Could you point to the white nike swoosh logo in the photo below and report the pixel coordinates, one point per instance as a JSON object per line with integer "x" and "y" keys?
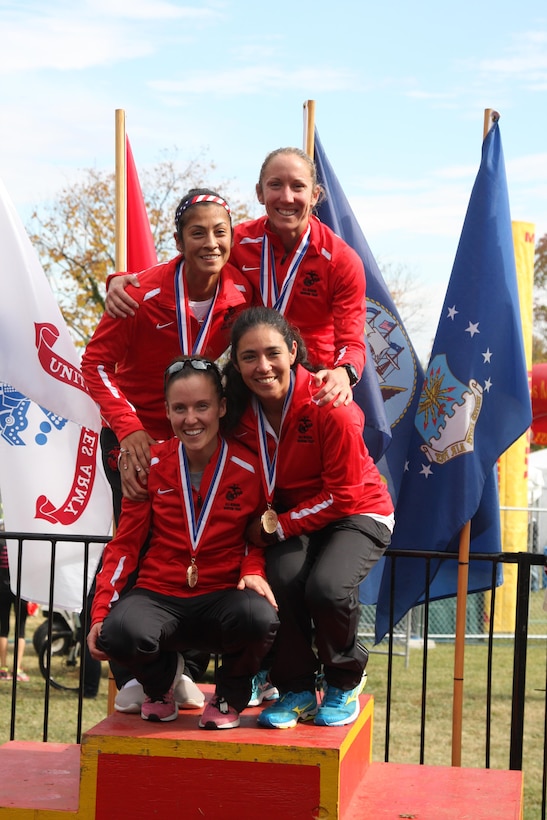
{"x": 160, "y": 326}
{"x": 163, "y": 492}
{"x": 248, "y": 267}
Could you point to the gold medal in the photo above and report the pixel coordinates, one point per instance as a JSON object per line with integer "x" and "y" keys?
{"x": 192, "y": 575}
{"x": 268, "y": 521}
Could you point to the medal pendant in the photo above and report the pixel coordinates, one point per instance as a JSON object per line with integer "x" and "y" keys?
{"x": 268, "y": 521}
{"x": 192, "y": 575}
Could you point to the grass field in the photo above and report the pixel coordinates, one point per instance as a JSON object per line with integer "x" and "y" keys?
{"x": 405, "y": 709}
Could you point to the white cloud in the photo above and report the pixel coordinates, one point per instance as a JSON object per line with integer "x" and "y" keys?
{"x": 256, "y": 79}
{"x": 527, "y": 58}
{"x": 53, "y": 43}
{"x": 149, "y": 10}
{"x": 65, "y": 36}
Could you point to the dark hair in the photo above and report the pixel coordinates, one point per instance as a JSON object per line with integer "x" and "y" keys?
{"x": 237, "y": 392}
{"x": 202, "y": 196}
{"x": 297, "y": 152}
{"x": 184, "y": 366}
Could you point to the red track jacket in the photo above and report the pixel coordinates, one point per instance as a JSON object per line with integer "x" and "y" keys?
{"x": 223, "y": 556}
{"x": 328, "y": 299}
{"x": 324, "y": 470}
{"x": 124, "y": 362}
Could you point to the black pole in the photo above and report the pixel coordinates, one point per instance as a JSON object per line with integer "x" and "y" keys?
{"x": 519, "y": 663}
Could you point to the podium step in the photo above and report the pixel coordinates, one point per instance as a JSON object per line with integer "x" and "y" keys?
{"x": 132, "y": 768}
{"x": 127, "y": 767}
{"x": 390, "y": 791}
{"x": 38, "y": 776}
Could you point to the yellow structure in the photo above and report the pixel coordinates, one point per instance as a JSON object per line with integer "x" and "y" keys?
{"x": 513, "y": 464}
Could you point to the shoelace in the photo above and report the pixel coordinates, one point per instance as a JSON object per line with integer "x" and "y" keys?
{"x": 288, "y": 700}
{"x": 335, "y": 696}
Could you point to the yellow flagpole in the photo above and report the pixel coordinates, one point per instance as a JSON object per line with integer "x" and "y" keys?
{"x": 309, "y": 127}
{"x": 490, "y": 117}
{"x": 121, "y": 193}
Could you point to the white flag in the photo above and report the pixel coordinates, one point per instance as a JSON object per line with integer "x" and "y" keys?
{"x": 51, "y": 478}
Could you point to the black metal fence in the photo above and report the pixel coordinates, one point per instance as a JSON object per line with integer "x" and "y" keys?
{"x": 524, "y": 562}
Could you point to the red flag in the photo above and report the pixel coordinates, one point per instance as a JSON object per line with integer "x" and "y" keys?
{"x": 141, "y": 251}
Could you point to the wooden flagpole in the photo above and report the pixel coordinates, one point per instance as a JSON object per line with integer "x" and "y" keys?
{"x": 120, "y": 261}
{"x": 309, "y": 127}
{"x": 490, "y": 117}
{"x": 121, "y": 193}
{"x": 459, "y": 646}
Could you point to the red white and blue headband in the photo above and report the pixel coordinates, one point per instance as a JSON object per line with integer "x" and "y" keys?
{"x": 198, "y": 199}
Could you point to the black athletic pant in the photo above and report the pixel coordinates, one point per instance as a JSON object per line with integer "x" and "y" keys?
{"x": 315, "y": 580}
{"x": 145, "y": 630}
{"x": 196, "y": 662}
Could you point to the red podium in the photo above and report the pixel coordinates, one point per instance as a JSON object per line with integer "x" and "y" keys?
{"x": 128, "y": 768}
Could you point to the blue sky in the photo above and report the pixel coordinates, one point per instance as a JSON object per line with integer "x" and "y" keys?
{"x": 400, "y": 91}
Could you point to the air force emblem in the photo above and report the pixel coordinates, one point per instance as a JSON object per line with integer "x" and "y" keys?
{"x": 448, "y": 412}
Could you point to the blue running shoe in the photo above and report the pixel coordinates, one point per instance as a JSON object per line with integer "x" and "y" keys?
{"x": 263, "y": 689}
{"x": 288, "y": 710}
{"x": 339, "y": 707}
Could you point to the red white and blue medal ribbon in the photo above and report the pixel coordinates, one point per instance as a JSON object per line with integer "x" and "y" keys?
{"x": 269, "y": 465}
{"x": 197, "y": 527}
{"x": 184, "y": 325}
{"x": 271, "y": 297}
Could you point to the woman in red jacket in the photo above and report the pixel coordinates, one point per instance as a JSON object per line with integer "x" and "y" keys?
{"x": 186, "y": 306}
{"x": 301, "y": 268}
{"x": 199, "y": 584}
{"x": 330, "y": 517}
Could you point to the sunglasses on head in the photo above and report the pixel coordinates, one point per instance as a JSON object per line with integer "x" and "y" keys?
{"x": 195, "y": 364}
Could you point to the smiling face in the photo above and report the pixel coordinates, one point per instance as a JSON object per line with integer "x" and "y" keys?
{"x": 194, "y": 409}
{"x": 206, "y": 241}
{"x": 264, "y": 362}
{"x": 287, "y": 191}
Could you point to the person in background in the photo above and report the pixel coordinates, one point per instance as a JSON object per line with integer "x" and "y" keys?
{"x": 329, "y": 520}
{"x": 199, "y": 585}
{"x": 8, "y": 599}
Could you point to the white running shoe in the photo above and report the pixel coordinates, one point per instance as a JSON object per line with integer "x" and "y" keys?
{"x": 130, "y": 698}
{"x": 187, "y": 694}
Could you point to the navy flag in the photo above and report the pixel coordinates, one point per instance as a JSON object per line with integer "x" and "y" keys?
{"x": 475, "y": 402}
{"x": 389, "y": 388}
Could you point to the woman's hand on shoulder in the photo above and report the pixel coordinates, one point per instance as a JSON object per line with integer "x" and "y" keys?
{"x": 334, "y": 387}
{"x": 119, "y": 304}
{"x": 134, "y": 464}
{"x": 260, "y": 585}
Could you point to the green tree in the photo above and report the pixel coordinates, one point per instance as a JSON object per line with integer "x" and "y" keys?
{"x": 539, "y": 344}
{"x": 74, "y": 235}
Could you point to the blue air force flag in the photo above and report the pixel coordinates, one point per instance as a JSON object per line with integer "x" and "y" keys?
{"x": 474, "y": 403}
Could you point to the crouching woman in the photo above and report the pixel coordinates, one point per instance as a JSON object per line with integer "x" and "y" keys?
{"x": 199, "y": 585}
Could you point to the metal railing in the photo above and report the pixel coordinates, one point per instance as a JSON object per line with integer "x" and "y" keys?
{"x": 53, "y": 541}
{"x": 523, "y": 560}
